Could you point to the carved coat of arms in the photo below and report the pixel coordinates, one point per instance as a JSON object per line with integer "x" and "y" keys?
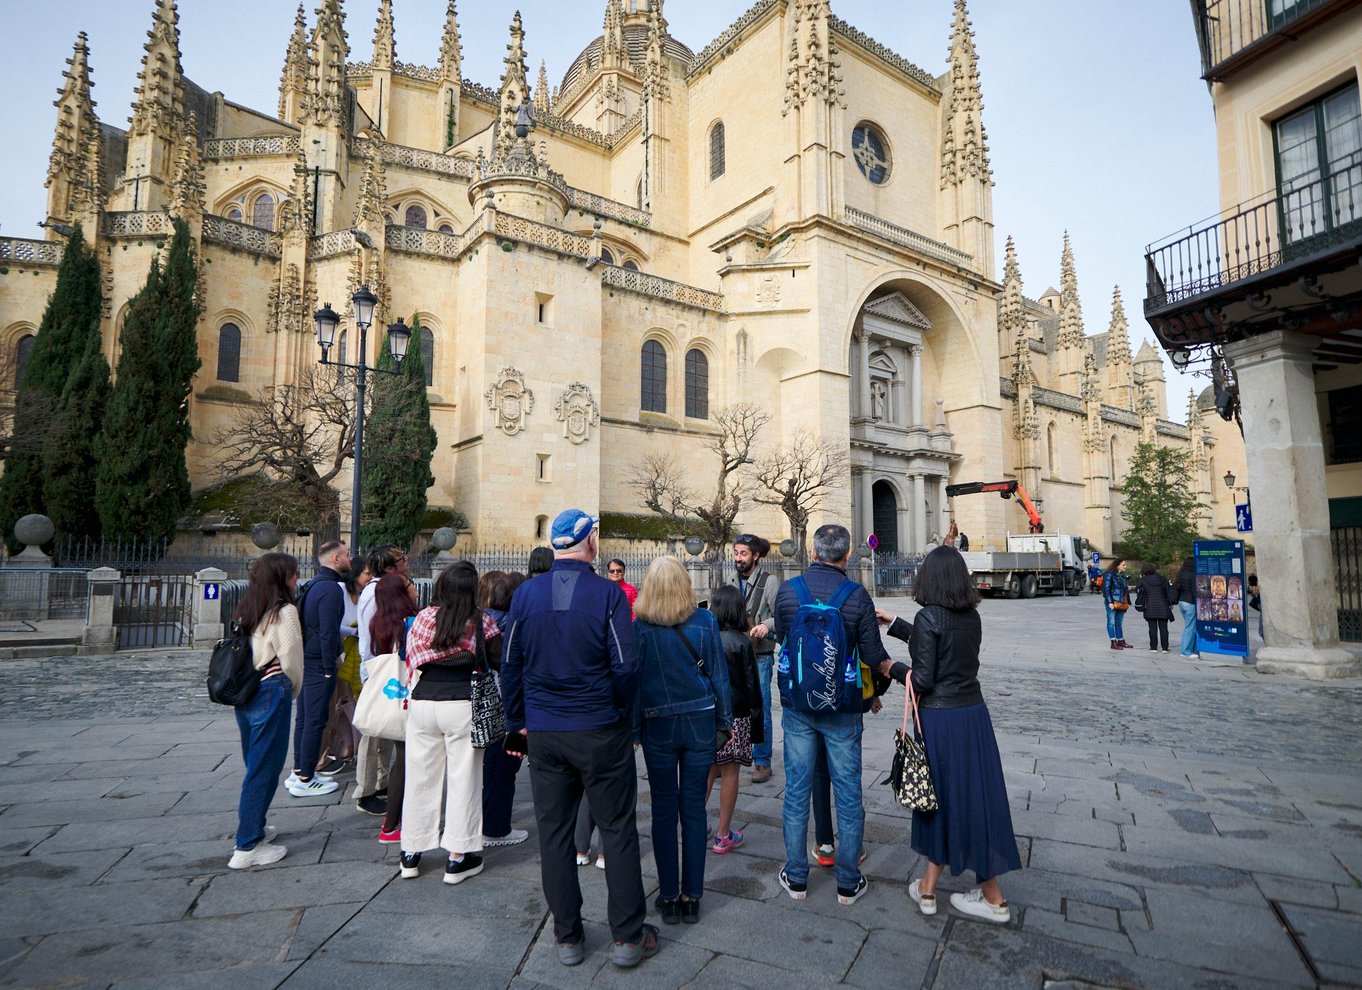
{"x": 510, "y": 401}
{"x": 578, "y": 412}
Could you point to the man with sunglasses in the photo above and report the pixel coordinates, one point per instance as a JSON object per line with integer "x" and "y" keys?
{"x": 614, "y": 570}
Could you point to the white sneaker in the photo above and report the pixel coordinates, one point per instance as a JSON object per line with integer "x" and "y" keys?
{"x": 291, "y": 779}
{"x": 926, "y": 902}
{"x": 512, "y": 838}
{"x": 600, "y": 862}
{"x": 270, "y": 833}
{"x": 315, "y": 787}
{"x": 261, "y": 855}
{"x": 974, "y": 905}
{"x": 1191, "y": 656}
{"x": 583, "y": 859}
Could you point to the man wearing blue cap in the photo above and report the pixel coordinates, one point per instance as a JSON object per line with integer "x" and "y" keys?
{"x": 569, "y": 677}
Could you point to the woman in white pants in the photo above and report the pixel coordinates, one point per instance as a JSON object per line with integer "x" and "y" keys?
{"x": 447, "y": 642}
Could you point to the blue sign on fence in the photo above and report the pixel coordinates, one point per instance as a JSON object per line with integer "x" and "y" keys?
{"x": 1097, "y": 557}
{"x": 1221, "y": 598}
{"x": 212, "y": 591}
{"x": 1243, "y": 517}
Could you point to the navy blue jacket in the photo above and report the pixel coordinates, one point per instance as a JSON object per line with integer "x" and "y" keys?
{"x": 323, "y": 610}
{"x": 570, "y": 662}
{"x": 670, "y": 682}
{"x": 858, "y": 613}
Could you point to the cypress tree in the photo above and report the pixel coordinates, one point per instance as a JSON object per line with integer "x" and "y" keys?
{"x": 69, "y": 464}
{"x": 142, "y": 485}
{"x": 399, "y": 442}
{"x": 69, "y": 327}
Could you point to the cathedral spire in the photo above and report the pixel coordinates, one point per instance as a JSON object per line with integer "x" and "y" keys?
{"x": 1121, "y": 384}
{"x": 514, "y": 89}
{"x": 1118, "y": 343}
{"x": 385, "y": 44}
{"x": 541, "y": 90}
{"x": 1071, "y": 335}
{"x": 964, "y": 150}
{"x": 614, "y": 50}
{"x": 75, "y": 119}
{"x": 813, "y": 69}
{"x": 324, "y": 103}
{"x": 186, "y": 188}
{"x": 373, "y": 193}
{"x": 656, "y": 83}
{"x": 293, "y": 80}
{"x": 87, "y": 188}
{"x": 1011, "y": 314}
{"x": 451, "y": 49}
{"x": 160, "y": 84}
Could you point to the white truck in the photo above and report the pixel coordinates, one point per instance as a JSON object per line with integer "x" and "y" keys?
{"x": 1033, "y": 564}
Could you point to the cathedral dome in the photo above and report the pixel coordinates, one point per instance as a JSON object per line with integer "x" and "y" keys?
{"x": 1206, "y": 400}
{"x": 636, "y": 40}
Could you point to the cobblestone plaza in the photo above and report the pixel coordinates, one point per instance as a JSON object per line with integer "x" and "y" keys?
{"x": 1183, "y": 824}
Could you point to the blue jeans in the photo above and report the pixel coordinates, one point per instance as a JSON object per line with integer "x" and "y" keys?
{"x": 263, "y": 722}
{"x": 761, "y": 752}
{"x": 679, "y": 751}
{"x": 841, "y": 735}
{"x": 1188, "y": 610}
{"x": 1116, "y": 620}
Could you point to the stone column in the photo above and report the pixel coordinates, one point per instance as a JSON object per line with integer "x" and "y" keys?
{"x": 867, "y": 517}
{"x": 100, "y": 636}
{"x": 905, "y": 528}
{"x": 208, "y": 624}
{"x": 1285, "y": 452}
{"x": 919, "y": 513}
{"x": 863, "y": 369}
{"x": 943, "y": 506}
{"x": 915, "y": 399}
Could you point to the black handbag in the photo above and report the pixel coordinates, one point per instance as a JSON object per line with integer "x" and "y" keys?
{"x": 489, "y": 717}
{"x": 909, "y": 774}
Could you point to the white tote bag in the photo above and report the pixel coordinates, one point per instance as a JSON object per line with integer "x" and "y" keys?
{"x": 382, "y": 708}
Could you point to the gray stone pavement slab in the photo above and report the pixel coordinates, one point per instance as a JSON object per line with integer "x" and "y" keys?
{"x": 1163, "y": 821}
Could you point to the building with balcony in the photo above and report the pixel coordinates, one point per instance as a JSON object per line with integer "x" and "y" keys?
{"x": 1271, "y": 290}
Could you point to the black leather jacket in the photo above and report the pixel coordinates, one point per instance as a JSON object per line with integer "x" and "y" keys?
{"x": 945, "y": 649}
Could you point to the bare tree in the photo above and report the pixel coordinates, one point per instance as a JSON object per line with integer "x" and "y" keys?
{"x": 39, "y": 412}
{"x": 797, "y": 479}
{"x": 662, "y": 487}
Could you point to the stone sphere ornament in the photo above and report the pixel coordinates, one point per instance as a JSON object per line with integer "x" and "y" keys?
{"x": 265, "y": 535}
{"x": 34, "y": 530}
{"x": 788, "y": 548}
{"x": 444, "y": 538}
{"x": 694, "y": 545}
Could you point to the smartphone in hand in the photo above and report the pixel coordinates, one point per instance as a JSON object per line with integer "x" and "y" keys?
{"x": 517, "y": 744}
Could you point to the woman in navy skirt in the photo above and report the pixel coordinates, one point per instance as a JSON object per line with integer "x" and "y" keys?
{"x": 971, "y": 828}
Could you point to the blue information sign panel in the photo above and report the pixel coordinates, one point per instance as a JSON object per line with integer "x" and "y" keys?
{"x": 1221, "y": 598}
{"x": 1243, "y": 517}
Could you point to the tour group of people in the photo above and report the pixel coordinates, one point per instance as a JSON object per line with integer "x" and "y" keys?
{"x": 1159, "y": 600}
{"x": 590, "y": 668}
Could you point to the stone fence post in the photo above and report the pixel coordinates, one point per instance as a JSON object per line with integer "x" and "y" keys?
{"x": 699, "y": 578}
{"x": 208, "y": 624}
{"x": 100, "y": 635}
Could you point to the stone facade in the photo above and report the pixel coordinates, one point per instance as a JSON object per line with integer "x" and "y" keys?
{"x": 838, "y": 272}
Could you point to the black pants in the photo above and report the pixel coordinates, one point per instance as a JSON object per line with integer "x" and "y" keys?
{"x": 599, "y": 763}
{"x": 498, "y": 790}
{"x": 822, "y": 795}
{"x": 1158, "y": 634}
{"x": 314, "y": 707}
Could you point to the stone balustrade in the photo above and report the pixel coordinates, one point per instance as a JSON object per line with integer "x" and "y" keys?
{"x": 542, "y": 235}
{"x": 143, "y": 223}
{"x": 904, "y": 237}
{"x": 332, "y": 243}
{"x": 219, "y": 149}
{"x": 24, "y": 251}
{"x": 662, "y": 288}
{"x": 611, "y": 209}
{"x": 244, "y": 237}
{"x": 418, "y": 240}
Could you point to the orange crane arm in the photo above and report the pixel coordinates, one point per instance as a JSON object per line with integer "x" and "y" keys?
{"x": 1006, "y": 489}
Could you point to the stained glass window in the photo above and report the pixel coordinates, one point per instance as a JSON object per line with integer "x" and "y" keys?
{"x": 21, "y": 352}
{"x": 234, "y": 214}
{"x": 262, "y": 213}
{"x": 697, "y": 384}
{"x": 229, "y": 353}
{"x": 871, "y": 152}
{"x": 716, "y": 151}
{"x": 631, "y": 264}
{"x": 446, "y": 228}
{"x": 607, "y": 257}
{"x": 428, "y": 355}
{"x": 654, "y": 395}
{"x": 416, "y": 216}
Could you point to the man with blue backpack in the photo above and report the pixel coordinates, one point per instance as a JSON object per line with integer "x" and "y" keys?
{"x": 829, "y": 643}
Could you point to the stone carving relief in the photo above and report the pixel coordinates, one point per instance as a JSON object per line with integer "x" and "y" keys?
{"x": 768, "y": 292}
{"x": 510, "y": 401}
{"x": 578, "y": 412}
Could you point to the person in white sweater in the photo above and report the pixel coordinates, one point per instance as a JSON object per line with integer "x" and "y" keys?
{"x": 268, "y": 613}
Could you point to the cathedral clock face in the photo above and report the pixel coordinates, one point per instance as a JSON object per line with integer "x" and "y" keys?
{"x": 871, "y": 152}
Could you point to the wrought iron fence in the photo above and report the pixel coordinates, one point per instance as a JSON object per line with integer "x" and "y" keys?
{"x": 140, "y": 557}
{"x": 1346, "y": 544}
{"x": 1228, "y": 27}
{"x": 1280, "y": 227}
{"x": 35, "y": 594}
{"x": 153, "y": 610}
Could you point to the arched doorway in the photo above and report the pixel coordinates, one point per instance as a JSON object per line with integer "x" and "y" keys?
{"x": 886, "y": 516}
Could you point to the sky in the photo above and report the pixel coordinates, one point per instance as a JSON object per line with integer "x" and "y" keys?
{"x": 1097, "y": 118}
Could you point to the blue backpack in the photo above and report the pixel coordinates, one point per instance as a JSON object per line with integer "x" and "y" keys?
{"x": 817, "y": 670}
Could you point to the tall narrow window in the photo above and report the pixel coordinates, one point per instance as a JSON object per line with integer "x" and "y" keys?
{"x": 229, "y": 353}
{"x": 416, "y": 216}
{"x": 697, "y": 384}
{"x": 428, "y": 355}
{"x": 1052, "y": 451}
{"x": 607, "y": 257}
{"x": 1319, "y": 165}
{"x": 654, "y": 394}
{"x": 716, "y": 151}
{"x": 21, "y": 353}
{"x": 341, "y": 343}
{"x": 262, "y": 213}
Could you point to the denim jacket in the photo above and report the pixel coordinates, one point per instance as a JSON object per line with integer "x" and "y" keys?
{"x": 670, "y": 682}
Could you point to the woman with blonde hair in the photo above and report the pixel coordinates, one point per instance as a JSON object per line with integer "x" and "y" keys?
{"x": 686, "y": 715}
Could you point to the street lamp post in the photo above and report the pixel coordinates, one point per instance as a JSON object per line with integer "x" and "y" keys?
{"x": 398, "y": 337}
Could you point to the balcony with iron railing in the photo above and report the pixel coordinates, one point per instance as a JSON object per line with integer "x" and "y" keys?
{"x": 1234, "y": 32}
{"x": 1285, "y": 234}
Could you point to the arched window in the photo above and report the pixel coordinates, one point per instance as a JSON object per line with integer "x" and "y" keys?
{"x": 21, "y": 353}
{"x": 229, "y": 353}
{"x": 1052, "y": 451}
{"x": 697, "y": 384}
{"x": 416, "y": 216}
{"x": 631, "y": 264}
{"x": 234, "y": 214}
{"x": 446, "y": 228}
{"x": 428, "y": 355}
{"x": 607, "y": 257}
{"x": 262, "y": 213}
{"x": 340, "y": 348}
{"x": 654, "y": 395}
{"x": 716, "y": 151}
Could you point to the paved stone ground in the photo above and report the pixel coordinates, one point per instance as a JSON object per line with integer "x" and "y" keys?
{"x": 1184, "y": 824}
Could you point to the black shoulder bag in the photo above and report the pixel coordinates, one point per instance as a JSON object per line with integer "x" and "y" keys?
{"x": 489, "y": 717}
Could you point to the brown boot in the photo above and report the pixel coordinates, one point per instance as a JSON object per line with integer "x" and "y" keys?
{"x": 1115, "y": 645}
{"x": 761, "y": 775}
